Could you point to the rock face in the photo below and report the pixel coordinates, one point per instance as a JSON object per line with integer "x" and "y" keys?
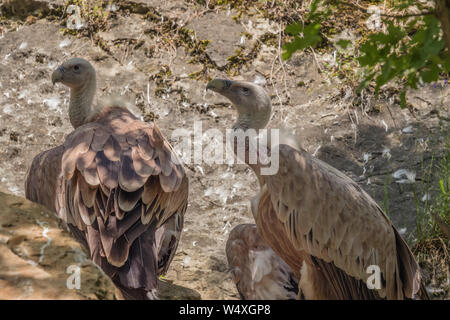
{"x": 40, "y": 260}
{"x": 36, "y": 254}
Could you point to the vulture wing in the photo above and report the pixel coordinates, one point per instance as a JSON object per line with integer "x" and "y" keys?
{"x": 310, "y": 207}
{"x": 123, "y": 193}
{"x": 258, "y": 272}
{"x": 42, "y": 177}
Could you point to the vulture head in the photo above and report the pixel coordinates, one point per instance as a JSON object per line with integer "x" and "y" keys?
{"x": 251, "y": 101}
{"x": 79, "y": 75}
{"x": 74, "y": 73}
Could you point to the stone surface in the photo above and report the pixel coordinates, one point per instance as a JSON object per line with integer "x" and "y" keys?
{"x": 35, "y": 255}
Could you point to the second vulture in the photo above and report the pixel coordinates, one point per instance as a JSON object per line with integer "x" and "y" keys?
{"x": 117, "y": 185}
{"x": 330, "y": 232}
{"x": 258, "y": 272}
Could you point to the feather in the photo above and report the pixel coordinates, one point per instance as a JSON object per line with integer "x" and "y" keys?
{"x": 112, "y": 149}
{"x": 119, "y": 213}
{"x": 142, "y": 167}
{"x": 151, "y": 190}
{"x": 88, "y": 193}
{"x": 129, "y": 180}
{"x": 166, "y": 163}
{"x": 128, "y": 200}
{"x": 168, "y": 183}
{"x": 86, "y": 159}
{"x": 145, "y": 149}
{"x": 107, "y": 170}
{"x": 99, "y": 140}
{"x": 90, "y": 174}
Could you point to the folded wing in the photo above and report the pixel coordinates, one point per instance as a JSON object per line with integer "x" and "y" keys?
{"x": 123, "y": 193}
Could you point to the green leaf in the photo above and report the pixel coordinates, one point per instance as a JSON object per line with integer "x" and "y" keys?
{"x": 412, "y": 80}
{"x": 403, "y": 99}
{"x": 295, "y": 28}
{"x": 310, "y": 37}
{"x": 405, "y": 51}
{"x": 365, "y": 83}
{"x": 369, "y": 54}
{"x": 441, "y": 184}
{"x": 343, "y": 43}
{"x": 430, "y": 74}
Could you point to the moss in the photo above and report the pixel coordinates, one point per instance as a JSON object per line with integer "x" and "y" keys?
{"x": 197, "y": 75}
{"x": 133, "y": 7}
{"x": 161, "y": 80}
{"x": 235, "y": 18}
{"x": 240, "y": 58}
{"x": 247, "y": 35}
{"x": 68, "y": 31}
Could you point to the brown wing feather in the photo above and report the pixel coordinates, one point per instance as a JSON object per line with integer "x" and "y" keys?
{"x": 42, "y": 177}
{"x": 110, "y": 173}
{"x": 327, "y": 215}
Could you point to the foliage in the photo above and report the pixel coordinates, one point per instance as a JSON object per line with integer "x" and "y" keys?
{"x": 411, "y": 59}
{"x": 433, "y": 217}
{"x": 408, "y": 49}
{"x": 306, "y": 33}
{"x": 442, "y": 203}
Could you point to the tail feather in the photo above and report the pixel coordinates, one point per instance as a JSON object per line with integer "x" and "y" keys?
{"x": 423, "y": 293}
{"x": 138, "y": 278}
{"x": 409, "y": 271}
{"x": 135, "y": 294}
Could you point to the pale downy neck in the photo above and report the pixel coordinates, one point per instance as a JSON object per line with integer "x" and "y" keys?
{"x": 248, "y": 121}
{"x": 81, "y": 103}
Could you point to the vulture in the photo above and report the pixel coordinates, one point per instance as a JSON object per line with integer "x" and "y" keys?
{"x": 116, "y": 184}
{"x": 258, "y": 272}
{"x": 336, "y": 239}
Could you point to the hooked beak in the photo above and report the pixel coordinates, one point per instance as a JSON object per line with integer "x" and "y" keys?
{"x": 57, "y": 75}
{"x": 218, "y": 85}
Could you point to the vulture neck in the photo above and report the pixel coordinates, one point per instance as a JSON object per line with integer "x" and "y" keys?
{"x": 247, "y": 121}
{"x": 81, "y": 98}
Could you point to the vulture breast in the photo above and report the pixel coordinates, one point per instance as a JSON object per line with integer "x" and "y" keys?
{"x": 258, "y": 272}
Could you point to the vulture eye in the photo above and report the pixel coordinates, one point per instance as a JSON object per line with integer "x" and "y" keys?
{"x": 245, "y": 90}
{"x": 76, "y": 68}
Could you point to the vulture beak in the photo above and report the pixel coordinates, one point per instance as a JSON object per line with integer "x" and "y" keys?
{"x": 219, "y": 85}
{"x": 57, "y": 75}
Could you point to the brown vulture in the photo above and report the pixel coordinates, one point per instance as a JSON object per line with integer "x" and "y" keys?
{"x": 116, "y": 184}
{"x": 330, "y": 232}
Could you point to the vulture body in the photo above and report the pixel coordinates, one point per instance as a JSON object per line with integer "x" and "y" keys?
{"x": 114, "y": 184}
{"x": 330, "y": 232}
{"x": 258, "y": 272}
